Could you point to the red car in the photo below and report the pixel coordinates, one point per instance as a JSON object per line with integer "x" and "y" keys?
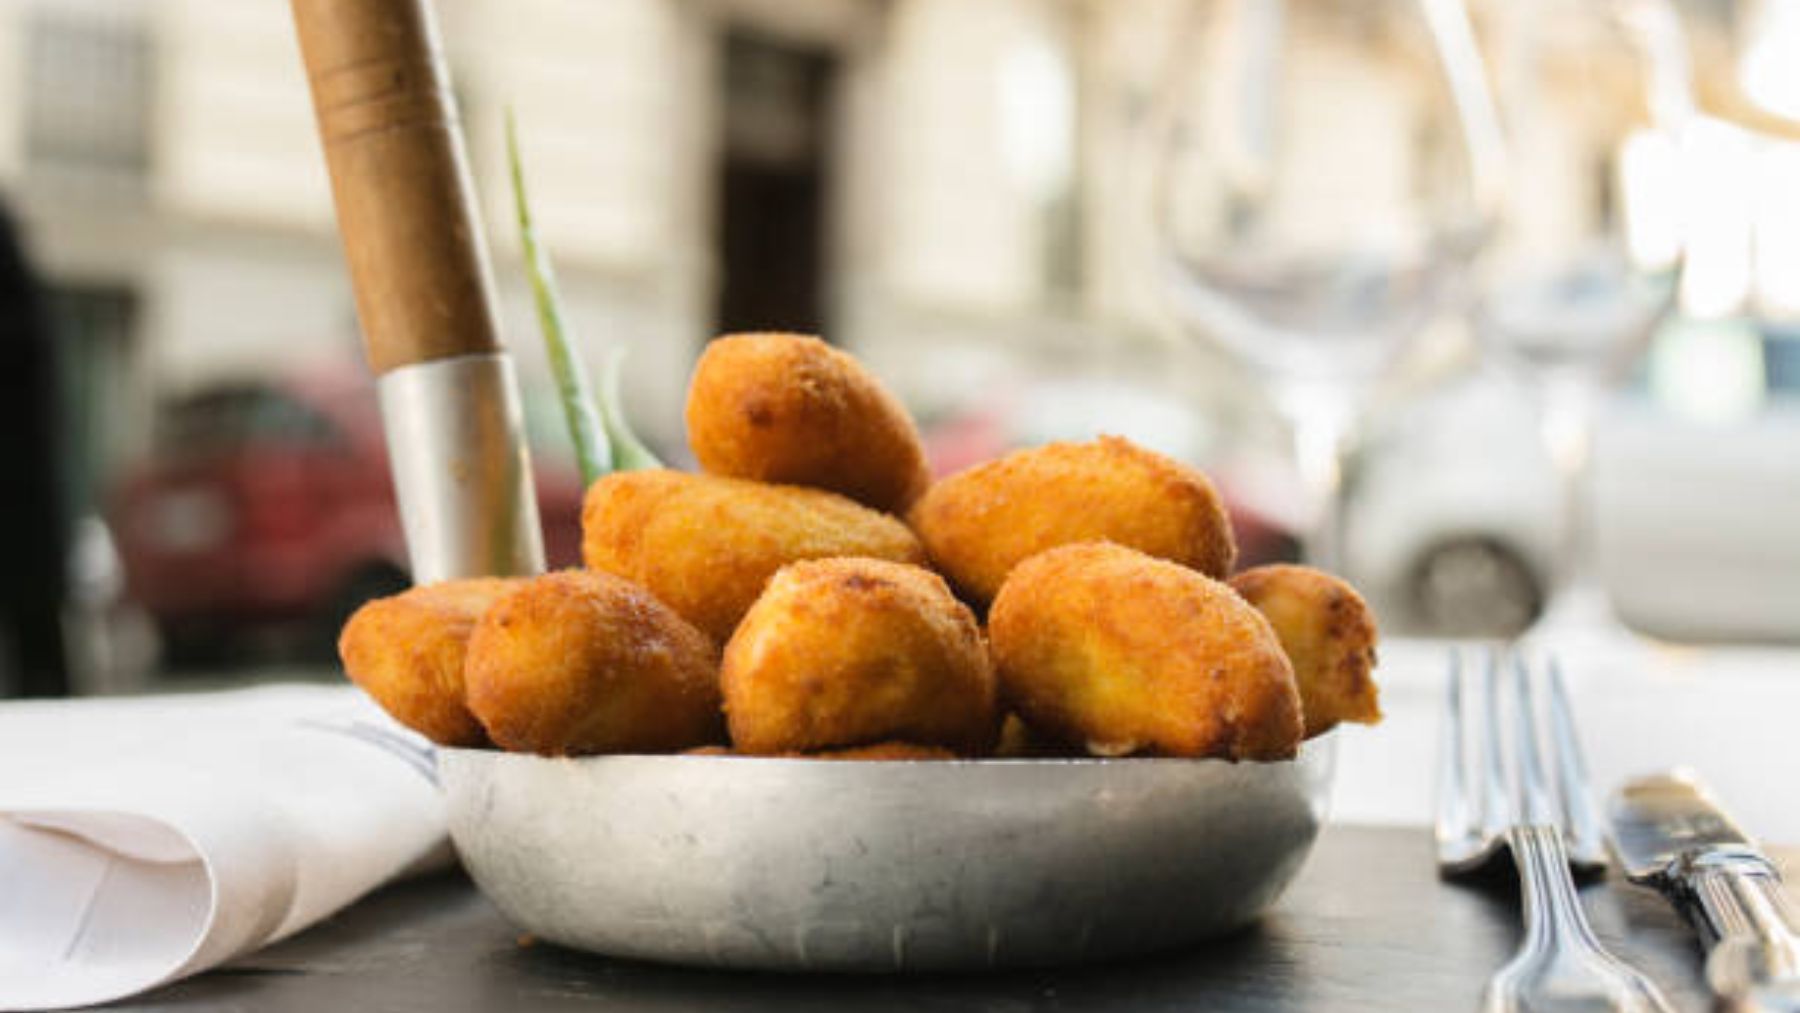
{"x": 269, "y": 502}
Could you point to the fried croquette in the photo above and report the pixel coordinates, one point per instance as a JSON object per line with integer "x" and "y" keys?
{"x": 1104, "y": 646}
{"x": 980, "y": 523}
{"x": 1328, "y": 632}
{"x": 840, "y": 653}
{"x": 878, "y": 751}
{"x": 575, "y": 662}
{"x": 705, "y": 545}
{"x": 790, "y": 408}
{"x": 407, "y": 653}
{"x": 887, "y": 751}
{"x": 1019, "y": 742}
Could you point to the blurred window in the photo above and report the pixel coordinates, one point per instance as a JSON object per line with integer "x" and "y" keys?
{"x": 94, "y": 327}
{"x": 1038, "y": 142}
{"x": 232, "y": 418}
{"x": 88, "y": 96}
{"x": 1781, "y": 362}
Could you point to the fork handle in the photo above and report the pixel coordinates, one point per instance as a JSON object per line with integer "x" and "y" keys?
{"x": 1736, "y": 900}
{"x": 1552, "y": 910}
{"x": 1576, "y": 971}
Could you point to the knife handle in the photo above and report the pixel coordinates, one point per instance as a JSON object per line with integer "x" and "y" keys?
{"x": 1742, "y": 909}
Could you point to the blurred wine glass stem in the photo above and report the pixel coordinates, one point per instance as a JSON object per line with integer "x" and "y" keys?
{"x": 1319, "y": 416}
{"x": 1566, "y": 424}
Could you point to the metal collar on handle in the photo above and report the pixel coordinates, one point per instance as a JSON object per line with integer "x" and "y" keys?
{"x": 462, "y": 473}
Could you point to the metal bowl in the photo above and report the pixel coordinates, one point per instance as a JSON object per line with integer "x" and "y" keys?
{"x": 811, "y": 865}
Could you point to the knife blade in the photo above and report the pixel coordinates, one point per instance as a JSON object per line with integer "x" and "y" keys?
{"x": 1669, "y": 834}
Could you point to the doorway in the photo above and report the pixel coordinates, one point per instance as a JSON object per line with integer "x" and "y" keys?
{"x": 774, "y": 184}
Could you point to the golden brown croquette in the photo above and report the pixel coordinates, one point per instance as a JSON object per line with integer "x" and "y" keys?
{"x": 791, "y": 409}
{"x": 577, "y": 662}
{"x": 1103, "y": 646}
{"x": 841, "y": 653}
{"x": 980, "y": 523}
{"x": 1329, "y": 634}
{"x": 407, "y": 653}
{"x": 705, "y": 545}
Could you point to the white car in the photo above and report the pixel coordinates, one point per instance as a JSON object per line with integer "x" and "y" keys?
{"x": 1700, "y": 525}
{"x": 1453, "y": 514}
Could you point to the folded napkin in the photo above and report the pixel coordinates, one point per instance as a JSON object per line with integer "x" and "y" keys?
{"x": 146, "y": 839}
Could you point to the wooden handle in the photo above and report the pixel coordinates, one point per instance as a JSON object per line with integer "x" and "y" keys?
{"x": 400, "y": 179}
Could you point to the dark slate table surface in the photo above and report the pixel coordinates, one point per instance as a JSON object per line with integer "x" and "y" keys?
{"x": 1368, "y": 926}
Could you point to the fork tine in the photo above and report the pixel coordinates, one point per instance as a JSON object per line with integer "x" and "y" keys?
{"x": 1534, "y": 806}
{"x": 1455, "y": 816}
{"x": 1581, "y": 819}
{"x": 1495, "y": 810}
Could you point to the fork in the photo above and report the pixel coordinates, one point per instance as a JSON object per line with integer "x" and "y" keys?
{"x": 1560, "y": 964}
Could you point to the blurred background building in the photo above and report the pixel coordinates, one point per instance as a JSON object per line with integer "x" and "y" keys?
{"x": 954, "y": 189}
{"x": 915, "y": 163}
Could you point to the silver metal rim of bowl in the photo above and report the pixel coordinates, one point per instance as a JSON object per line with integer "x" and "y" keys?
{"x": 881, "y": 866}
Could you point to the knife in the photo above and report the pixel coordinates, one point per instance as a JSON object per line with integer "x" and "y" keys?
{"x": 1669, "y": 834}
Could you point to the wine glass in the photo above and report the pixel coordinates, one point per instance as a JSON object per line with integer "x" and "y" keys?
{"x": 1595, "y": 97}
{"x": 1326, "y": 171}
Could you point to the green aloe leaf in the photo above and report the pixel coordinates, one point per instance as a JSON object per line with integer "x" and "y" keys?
{"x": 587, "y": 425}
{"x": 629, "y": 452}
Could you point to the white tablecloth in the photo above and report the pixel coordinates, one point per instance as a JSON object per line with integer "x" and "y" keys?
{"x": 1731, "y": 714}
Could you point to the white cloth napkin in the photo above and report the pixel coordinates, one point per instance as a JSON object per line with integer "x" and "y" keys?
{"x": 146, "y": 839}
